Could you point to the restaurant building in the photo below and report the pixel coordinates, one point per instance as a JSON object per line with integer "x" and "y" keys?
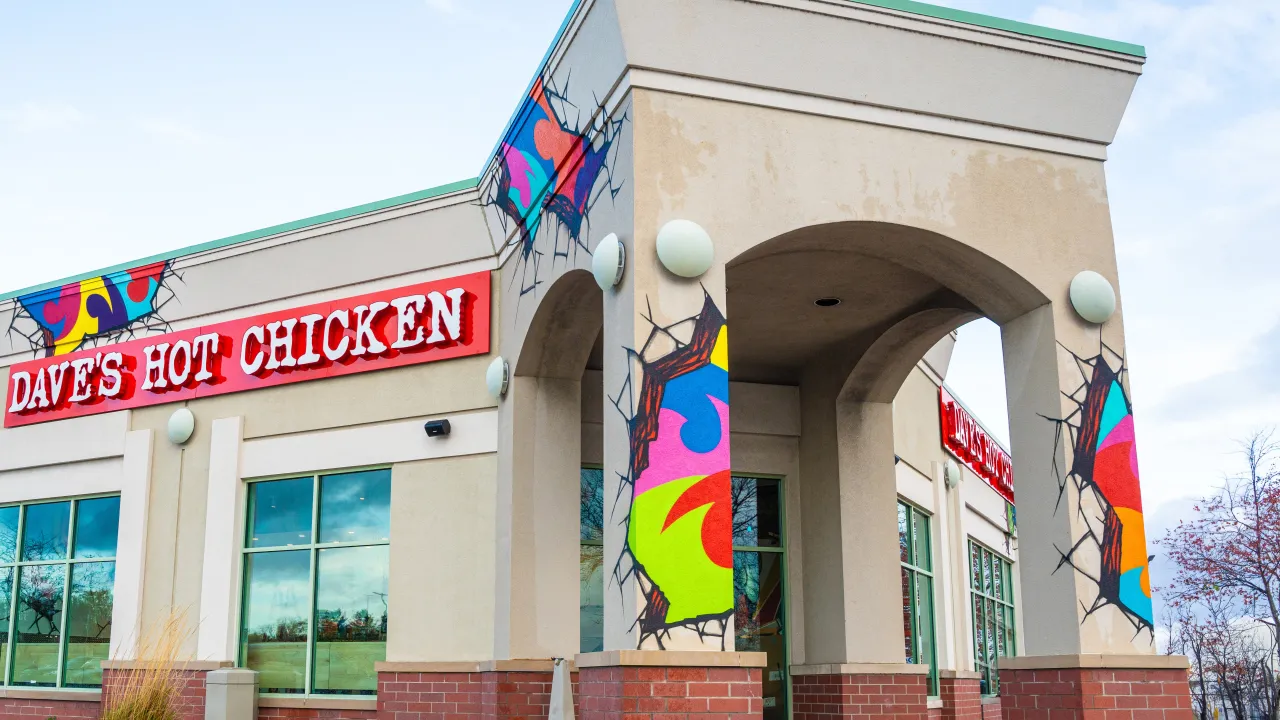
{"x": 400, "y": 460}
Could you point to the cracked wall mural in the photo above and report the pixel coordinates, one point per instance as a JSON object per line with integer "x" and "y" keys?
{"x": 109, "y": 308}
{"x": 1102, "y": 488}
{"x": 677, "y": 492}
{"x": 547, "y": 175}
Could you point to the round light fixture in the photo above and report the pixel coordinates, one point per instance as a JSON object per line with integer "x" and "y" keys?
{"x": 685, "y": 248}
{"x": 497, "y": 377}
{"x": 181, "y": 426}
{"x": 1093, "y": 297}
{"x": 608, "y": 260}
{"x": 827, "y": 301}
{"x": 950, "y": 473}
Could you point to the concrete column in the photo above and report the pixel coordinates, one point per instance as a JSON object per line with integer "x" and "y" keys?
{"x": 538, "y": 499}
{"x": 848, "y": 500}
{"x": 1082, "y": 550}
{"x": 667, "y": 461}
{"x": 135, "y": 493}
{"x": 217, "y": 636}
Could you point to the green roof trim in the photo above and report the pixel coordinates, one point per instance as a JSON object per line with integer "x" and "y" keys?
{"x": 1013, "y": 26}
{"x": 258, "y": 234}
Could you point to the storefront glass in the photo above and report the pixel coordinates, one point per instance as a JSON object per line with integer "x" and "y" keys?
{"x": 57, "y": 571}
{"x": 915, "y": 553}
{"x": 316, "y": 567}
{"x": 591, "y": 560}
{"x": 991, "y": 591}
{"x": 759, "y": 584}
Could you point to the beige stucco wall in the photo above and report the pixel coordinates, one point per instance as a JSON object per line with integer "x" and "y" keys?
{"x": 442, "y": 560}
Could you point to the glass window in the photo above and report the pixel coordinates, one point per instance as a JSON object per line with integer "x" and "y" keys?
{"x": 759, "y": 584}
{"x": 55, "y": 628}
{"x": 316, "y": 568}
{"x": 991, "y": 593}
{"x": 916, "y": 555}
{"x": 591, "y": 560}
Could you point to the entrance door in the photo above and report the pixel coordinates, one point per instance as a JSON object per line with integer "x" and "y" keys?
{"x": 759, "y": 584}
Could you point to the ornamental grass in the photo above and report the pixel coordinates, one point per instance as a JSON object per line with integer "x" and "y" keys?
{"x": 150, "y": 688}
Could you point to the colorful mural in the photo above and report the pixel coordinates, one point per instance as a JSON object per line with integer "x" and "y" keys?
{"x": 113, "y": 306}
{"x": 680, "y": 516}
{"x": 1104, "y": 470}
{"x": 549, "y": 165}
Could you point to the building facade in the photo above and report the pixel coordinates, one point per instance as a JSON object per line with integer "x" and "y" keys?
{"x": 347, "y": 452}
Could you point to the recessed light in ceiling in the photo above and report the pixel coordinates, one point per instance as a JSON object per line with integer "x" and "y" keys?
{"x": 827, "y": 302}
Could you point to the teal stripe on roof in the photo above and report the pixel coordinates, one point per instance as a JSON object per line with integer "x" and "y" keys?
{"x": 1013, "y": 26}
{"x": 258, "y": 234}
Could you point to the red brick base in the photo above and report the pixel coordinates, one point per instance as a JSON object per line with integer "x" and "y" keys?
{"x": 844, "y": 697}
{"x": 487, "y": 695}
{"x": 670, "y": 693}
{"x": 16, "y": 709}
{"x": 961, "y": 695}
{"x": 1095, "y": 694}
{"x": 264, "y": 713}
{"x": 191, "y": 697}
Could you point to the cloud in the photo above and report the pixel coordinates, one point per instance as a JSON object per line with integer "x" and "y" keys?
{"x": 1252, "y": 384}
{"x": 40, "y": 117}
{"x": 445, "y": 6}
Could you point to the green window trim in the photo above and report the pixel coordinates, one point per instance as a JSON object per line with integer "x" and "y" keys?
{"x": 316, "y": 547}
{"x": 66, "y": 613}
{"x": 991, "y": 612}
{"x": 915, "y": 538}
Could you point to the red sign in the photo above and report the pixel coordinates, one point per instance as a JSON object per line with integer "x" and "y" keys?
{"x": 421, "y": 323}
{"x": 966, "y": 439}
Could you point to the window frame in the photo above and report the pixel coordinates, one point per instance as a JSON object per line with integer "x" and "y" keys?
{"x": 781, "y": 550}
{"x": 915, "y": 570}
{"x": 67, "y": 563}
{"x": 990, "y": 675}
{"x": 313, "y": 548}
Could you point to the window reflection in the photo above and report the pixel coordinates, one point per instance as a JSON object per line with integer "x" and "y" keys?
{"x": 9, "y": 533}
{"x": 591, "y": 507}
{"x": 281, "y": 512}
{"x": 277, "y": 603}
{"x": 39, "y": 624}
{"x": 591, "y": 598}
{"x": 757, "y": 520}
{"x": 97, "y": 525}
{"x": 355, "y": 507}
{"x": 351, "y": 618}
{"x": 89, "y": 622}
{"x": 44, "y": 534}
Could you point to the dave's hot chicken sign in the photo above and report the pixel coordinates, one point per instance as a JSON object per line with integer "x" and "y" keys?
{"x": 421, "y": 323}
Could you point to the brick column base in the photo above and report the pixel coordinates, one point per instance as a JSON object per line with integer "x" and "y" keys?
{"x": 1095, "y": 693}
{"x": 495, "y": 690}
{"x": 961, "y": 695}
{"x": 672, "y": 685}
{"x": 843, "y": 692}
{"x": 115, "y": 674}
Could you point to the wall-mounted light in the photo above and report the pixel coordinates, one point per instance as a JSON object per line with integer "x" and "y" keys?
{"x": 436, "y": 428}
{"x": 1093, "y": 297}
{"x": 497, "y": 377}
{"x": 950, "y": 473}
{"x": 181, "y": 426}
{"x": 685, "y": 248}
{"x": 608, "y": 261}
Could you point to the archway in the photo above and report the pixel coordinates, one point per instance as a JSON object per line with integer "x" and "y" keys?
{"x": 843, "y": 313}
{"x": 537, "y": 613}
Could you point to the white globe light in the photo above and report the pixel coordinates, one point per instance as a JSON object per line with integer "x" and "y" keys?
{"x": 1093, "y": 297}
{"x": 496, "y": 377}
{"x": 181, "y": 425}
{"x": 685, "y": 248}
{"x": 608, "y": 261}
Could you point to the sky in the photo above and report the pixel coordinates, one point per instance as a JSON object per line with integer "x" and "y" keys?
{"x": 133, "y": 128}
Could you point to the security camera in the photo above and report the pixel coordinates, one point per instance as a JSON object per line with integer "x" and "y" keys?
{"x": 437, "y": 428}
